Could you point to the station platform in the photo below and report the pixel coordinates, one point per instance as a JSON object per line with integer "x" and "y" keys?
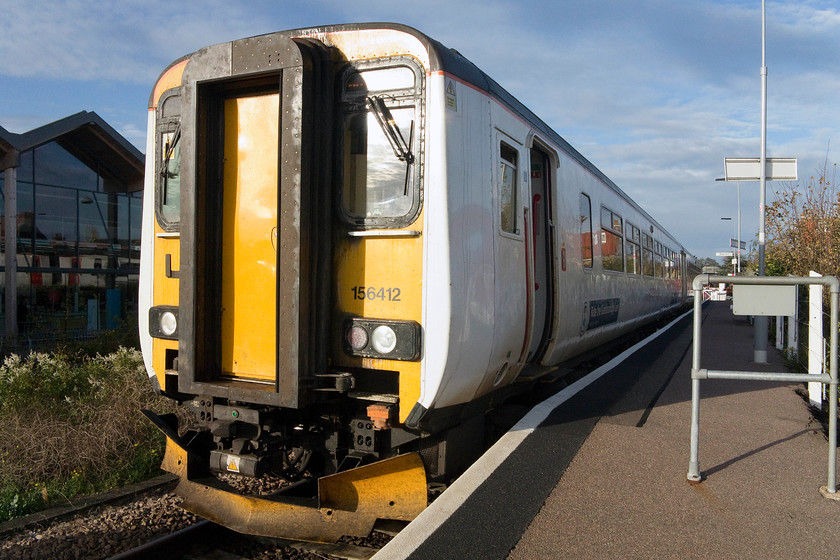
{"x": 600, "y": 472}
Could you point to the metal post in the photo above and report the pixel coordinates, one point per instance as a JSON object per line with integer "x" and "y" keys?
{"x": 738, "y": 185}
{"x": 694, "y": 460}
{"x": 10, "y": 274}
{"x": 832, "y": 396}
{"x": 793, "y": 329}
{"x": 816, "y": 342}
{"x": 760, "y": 354}
{"x": 734, "y": 269}
{"x": 780, "y": 332}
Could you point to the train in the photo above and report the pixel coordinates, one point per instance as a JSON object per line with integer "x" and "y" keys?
{"x": 355, "y": 243}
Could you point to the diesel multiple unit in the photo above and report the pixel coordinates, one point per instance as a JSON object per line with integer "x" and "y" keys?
{"x": 355, "y": 242}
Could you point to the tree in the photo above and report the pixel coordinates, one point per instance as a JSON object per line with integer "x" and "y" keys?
{"x": 803, "y": 227}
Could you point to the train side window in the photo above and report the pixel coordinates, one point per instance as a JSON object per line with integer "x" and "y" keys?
{"x": 669, "y": 263}
{"x": 634, "y": 250}
{"x": 168, "y": 161}
{"x": 507, "y": 188}
{"x": 586, "y": 230}
{"x": 647, "y": 254}
{"x": 659, "y": 268}
{"x": 612, "y": 241}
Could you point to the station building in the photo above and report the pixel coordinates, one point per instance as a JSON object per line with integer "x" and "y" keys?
{"x": 76, "y": 189}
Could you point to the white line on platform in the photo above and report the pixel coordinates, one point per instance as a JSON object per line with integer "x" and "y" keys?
{"x": 419, "y": 530}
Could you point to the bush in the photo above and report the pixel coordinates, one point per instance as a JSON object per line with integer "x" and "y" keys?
{"x": 71, "y": 424}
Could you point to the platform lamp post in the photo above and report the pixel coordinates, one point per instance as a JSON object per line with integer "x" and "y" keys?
{"x": 761, "y": 329}
{"x": 738, "y": 236}
{"x": 734, "y": 261}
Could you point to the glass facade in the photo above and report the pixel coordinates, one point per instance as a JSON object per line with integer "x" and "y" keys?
{"x": 78, "y": 246}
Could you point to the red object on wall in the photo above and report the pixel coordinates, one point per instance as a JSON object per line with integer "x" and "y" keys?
{"x": 36, "y": 278}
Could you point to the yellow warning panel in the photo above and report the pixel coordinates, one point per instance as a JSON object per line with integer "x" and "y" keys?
{"x": 249, "y": 222}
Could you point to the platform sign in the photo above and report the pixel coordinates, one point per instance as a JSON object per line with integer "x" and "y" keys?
{"x": 749, "y": 169}
{"x": 764, "y": 300}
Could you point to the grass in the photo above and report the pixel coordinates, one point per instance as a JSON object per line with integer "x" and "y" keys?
{"x": 70, "y": 424}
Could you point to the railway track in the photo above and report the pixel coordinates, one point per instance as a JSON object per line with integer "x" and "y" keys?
{"x": 207, "y": 541}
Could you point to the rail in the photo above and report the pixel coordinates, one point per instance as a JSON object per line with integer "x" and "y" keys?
{"x": 698, "y": 373}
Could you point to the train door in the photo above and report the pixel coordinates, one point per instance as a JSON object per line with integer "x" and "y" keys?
{"x": 511, "y": 272}
{"x": 542, "y": 248}
{"x": 249, "y": 223}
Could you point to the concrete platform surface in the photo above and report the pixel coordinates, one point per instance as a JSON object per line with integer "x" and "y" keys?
{"x": 603, "y": 475}
{"x": 762, "y": 456}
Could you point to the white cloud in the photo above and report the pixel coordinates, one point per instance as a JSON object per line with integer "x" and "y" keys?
{"x": 656, "y": 93}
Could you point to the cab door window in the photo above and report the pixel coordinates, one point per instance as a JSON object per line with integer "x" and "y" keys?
{"x": 507, "y": 188}
{"x": 585, "y": 231}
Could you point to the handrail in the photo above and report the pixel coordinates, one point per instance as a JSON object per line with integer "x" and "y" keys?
{"x": 698, "y": 373}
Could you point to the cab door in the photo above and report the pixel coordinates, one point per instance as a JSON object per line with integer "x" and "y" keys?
{"x": 512, "y": 262}
{"x": 256, "y": 216}
{"x": 248, "y": 243}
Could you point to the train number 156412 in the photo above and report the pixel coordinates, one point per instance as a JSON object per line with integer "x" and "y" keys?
{"x": 371, "y": 293}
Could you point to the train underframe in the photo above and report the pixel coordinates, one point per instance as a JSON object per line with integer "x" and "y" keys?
{"x": 345, "y": 465}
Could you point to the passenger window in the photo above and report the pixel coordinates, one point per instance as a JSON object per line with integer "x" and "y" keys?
{"x": 586, "y": 231}
{"x": 612, "y": 241}
{"x": 659, "y": 266}
{"x": 634, "y": 250}
{"x": 647, "y": 254}
{"x": 507, "y": 188}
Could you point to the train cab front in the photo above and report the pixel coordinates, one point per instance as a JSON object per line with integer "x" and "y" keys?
{"x": 282, "y": 277}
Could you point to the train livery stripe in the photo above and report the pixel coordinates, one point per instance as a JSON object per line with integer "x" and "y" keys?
{"x": 381, "y": 277}
{"x": 171, "y": 78}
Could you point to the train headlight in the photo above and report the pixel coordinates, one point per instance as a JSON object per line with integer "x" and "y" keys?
{"x": 168, "y": 323}
{"x": 163, "y": 322}
{"x": 382, "y": 338}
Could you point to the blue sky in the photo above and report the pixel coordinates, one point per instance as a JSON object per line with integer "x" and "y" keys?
{"x": 654, "y": 92}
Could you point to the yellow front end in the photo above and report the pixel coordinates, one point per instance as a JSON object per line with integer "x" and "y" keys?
{"x": 381, "y": 278}
{"x": 285, "y": 284}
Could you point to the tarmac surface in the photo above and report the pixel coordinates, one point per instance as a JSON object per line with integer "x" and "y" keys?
{"x": 602, "y": 473}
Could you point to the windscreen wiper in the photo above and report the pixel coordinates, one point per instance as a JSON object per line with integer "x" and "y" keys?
{"x": 170, "y": 150}
{"x": 386, "y": 121}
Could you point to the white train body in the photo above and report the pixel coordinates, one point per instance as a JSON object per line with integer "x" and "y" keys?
{"x": 484, "y": 320}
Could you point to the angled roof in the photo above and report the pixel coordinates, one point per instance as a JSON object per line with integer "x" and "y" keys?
{"x": 9, "y": 155}
{"x": 90, "y": 139}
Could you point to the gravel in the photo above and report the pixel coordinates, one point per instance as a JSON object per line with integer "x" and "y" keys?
{"x": 101, "y": 532}
{"x": 109, "y": 530}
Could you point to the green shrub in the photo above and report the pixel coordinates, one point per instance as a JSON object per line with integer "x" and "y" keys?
{"x": 71, "y": 424}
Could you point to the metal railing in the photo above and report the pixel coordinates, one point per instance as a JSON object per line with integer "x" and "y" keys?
{"x": 698, "y": 373}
